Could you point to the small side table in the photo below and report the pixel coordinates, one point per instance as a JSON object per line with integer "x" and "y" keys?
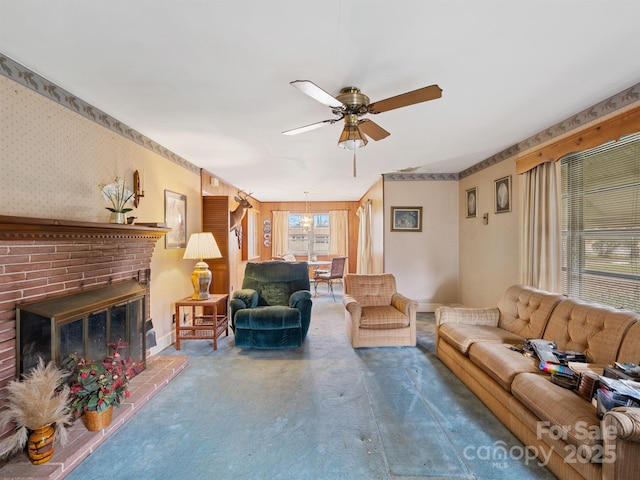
{"x": 209, "y": 319}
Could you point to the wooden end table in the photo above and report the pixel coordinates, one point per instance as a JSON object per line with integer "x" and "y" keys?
{"x": 208, "y": 320}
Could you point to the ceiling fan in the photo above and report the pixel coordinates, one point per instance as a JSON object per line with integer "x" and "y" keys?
{"x": 351, "y": 104}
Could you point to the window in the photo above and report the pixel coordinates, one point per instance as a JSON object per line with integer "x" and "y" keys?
{"x": 252, "y": 235}
{"x": 601, "y": 224}
{"x": 318, "y": 234}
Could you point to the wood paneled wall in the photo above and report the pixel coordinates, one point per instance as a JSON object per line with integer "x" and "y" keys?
{"x": 266, "y": 209}
{"x": 215, "y": 219}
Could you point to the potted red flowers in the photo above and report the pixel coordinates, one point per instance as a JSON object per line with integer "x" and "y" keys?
{"x": 96, "y": 387}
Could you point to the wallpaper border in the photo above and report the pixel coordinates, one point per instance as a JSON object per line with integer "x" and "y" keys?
{"x": 33, "y": 81}
{"x": 617, "y": 102}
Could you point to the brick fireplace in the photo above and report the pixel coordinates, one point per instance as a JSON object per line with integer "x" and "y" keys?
{"x": 44, "y": 258}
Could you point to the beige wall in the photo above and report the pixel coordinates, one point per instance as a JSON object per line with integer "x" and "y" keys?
{"x": 425, "y": 263}
{"x": 51, "y": 162}
{"x": 489, "y": 254}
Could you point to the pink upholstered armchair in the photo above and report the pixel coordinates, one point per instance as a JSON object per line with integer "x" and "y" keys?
{"x": 376, "y": 315}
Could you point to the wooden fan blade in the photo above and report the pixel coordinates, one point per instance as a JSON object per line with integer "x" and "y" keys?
{"x": 405, "y": 99}
{"x": 315, "y": 92}
{"x": 306, "y": 128}
{"x": 373, "y": 130}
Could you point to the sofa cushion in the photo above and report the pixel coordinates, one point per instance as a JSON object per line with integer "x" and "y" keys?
{"x": 370, "y": 290}
{"x": 268, "y": 318}
{"x": 500, "y": 363}
{"x": 461, "y": 336}
{"x": 276, "y": 293}
{"x": 525, "y": 310}
{"x": 595, "y": 330}
{"x": 563, "y": 414}
{"x": 383, "y": 317}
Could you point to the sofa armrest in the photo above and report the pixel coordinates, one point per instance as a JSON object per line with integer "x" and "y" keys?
{"x": 405, "y": 305}
{"x": 352, "y": 306}
{"x": 247, "y": 296}
{"x": 241, "y": 299}
{"x": 621, "y": 444}
{"x": 469, "y": 316}
{"x": 624, "y": 422}
{"x": 298, "y": 296}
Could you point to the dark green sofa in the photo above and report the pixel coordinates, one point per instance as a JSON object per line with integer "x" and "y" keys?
{"x": 273, "y": 309}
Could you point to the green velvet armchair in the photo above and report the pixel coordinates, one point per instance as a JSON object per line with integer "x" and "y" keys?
{"x": 273, "y": 309}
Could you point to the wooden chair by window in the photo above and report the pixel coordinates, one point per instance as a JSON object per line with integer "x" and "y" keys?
{"x": 336, "y": 272}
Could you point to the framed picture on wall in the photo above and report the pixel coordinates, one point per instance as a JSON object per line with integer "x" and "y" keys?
{"x": 406, "y": 219}
{"x": 175, "y": 216}
{"x": 472, "y": 202}
{"x": 503, "y": 194}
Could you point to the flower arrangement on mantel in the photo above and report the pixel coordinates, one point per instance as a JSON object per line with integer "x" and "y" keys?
{"x": 118, "y": 194}
{"x": 96, "y": 386}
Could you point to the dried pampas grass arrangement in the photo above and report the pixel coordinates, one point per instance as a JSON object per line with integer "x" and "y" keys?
{"x": 40, "y": 399}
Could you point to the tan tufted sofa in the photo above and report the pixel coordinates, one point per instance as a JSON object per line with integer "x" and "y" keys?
{"x": 376, "y": 315}
{"x": 557, "y": 424}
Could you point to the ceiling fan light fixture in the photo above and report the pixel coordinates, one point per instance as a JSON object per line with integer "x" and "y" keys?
{"x": 352, "y": 138}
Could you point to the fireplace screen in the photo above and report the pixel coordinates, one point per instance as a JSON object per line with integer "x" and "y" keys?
{"x": 84, "y": 322}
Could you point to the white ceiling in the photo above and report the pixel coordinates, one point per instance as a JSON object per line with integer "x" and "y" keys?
{"x": 209, "y": 79}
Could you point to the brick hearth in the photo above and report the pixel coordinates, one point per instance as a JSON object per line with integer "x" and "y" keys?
{"x": 159, "y": 372}
{"x": 41, "y": 258}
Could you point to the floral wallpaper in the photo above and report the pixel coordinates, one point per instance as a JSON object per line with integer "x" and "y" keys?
{"x": 20, "y": 74}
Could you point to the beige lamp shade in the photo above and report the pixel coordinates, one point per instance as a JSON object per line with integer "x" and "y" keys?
{"x": 201, "y": 246}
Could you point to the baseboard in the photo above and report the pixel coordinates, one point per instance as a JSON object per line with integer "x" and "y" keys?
{"x": 162, "y": 343}
{"x": 431, "y": 307}
{"x": 428, "y": 307}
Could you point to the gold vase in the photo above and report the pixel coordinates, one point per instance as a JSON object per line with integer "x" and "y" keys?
{"x": 96, "y": 421}
{"x": 40, "y": 445}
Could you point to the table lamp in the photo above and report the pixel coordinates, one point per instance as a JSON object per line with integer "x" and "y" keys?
{"x": 201, "y": 246}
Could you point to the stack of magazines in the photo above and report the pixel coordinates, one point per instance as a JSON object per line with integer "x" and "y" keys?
{"x": 552, "y": 359}
{"x": 617, "y": 393}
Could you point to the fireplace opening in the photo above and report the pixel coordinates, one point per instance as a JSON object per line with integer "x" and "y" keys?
{"x": 84, "y": 322}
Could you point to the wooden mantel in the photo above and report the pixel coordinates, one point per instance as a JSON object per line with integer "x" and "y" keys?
{"x": 20, "y": 228}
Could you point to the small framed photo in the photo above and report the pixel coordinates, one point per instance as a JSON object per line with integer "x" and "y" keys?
{"x": 175, "y": 216}
{"x": 503, "y": 194}
{"x": 406, "y": 219}
{"x": 472, "y": 202}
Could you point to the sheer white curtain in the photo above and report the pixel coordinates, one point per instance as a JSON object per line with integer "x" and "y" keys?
{"x": 364, "y": 264}
{"x": 339, "y": 237}
{"x": 280, "y": 233}
{"x": 541, "y": 234}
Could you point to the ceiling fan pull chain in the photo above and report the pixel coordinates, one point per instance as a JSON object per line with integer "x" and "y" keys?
{"x": 354, "y": 163}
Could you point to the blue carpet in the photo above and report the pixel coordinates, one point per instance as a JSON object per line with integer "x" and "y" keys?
{"x": 322, "y": 411}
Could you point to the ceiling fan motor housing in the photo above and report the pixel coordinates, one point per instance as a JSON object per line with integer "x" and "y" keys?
{"x": 354, "y": 100}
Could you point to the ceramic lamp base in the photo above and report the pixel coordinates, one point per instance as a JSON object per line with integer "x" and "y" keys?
{"x": 201, "y": 279}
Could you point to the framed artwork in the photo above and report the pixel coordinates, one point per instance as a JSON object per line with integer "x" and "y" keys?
{"x": 175, "y": 216}
{"x": 472, "y": 202}
{"x": 503, "y": 194}
{"x": 406, "y": 219}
